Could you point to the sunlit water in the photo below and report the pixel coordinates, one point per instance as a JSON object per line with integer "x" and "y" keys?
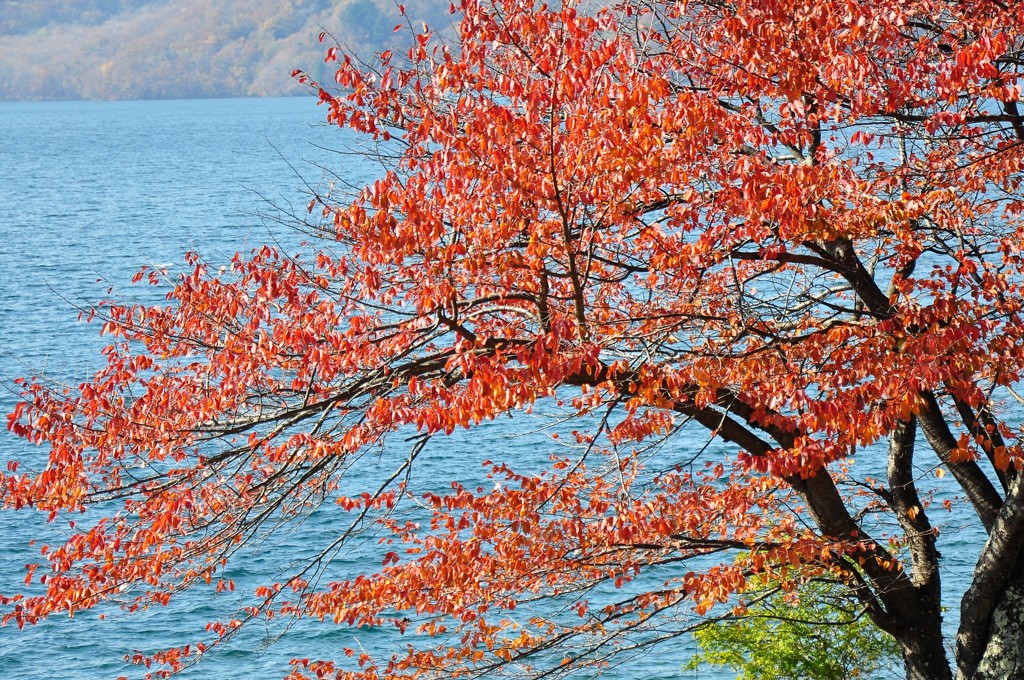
{"x": 89, "y": 193}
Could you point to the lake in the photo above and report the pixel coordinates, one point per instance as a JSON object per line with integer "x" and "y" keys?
{"x": 89, "y": 193}
{"x": 92, "y": 191}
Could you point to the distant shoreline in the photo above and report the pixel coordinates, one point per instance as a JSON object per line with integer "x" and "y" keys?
{"x": 52, "y": 50}
{"x": 154, "y": 99}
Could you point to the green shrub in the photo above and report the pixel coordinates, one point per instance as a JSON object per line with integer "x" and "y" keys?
{"x": 816, "y": 632}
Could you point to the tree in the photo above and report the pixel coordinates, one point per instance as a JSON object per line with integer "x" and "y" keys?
{"x": 815, "y": 634}
{"x": 793, "y": 225}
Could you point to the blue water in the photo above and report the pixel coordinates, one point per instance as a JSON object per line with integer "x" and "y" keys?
{"x": 90, "y": 192}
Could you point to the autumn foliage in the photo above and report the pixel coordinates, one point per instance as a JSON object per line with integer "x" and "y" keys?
{"x": 734, "y": 245}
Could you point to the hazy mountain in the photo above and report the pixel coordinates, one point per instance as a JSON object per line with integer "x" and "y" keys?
{"x": 147, "y": 49}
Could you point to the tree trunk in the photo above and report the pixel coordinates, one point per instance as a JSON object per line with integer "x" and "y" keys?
{"x": 990, "y": 642}
{"x": 1003, "y": 658}
{"x": 924, "y": 655}
{"x": 918, "y": 624}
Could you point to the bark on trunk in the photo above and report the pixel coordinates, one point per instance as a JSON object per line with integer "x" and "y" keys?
{"x": 990, "y": 642}
{"x": 924, "y": 656}
{"x": 919, "y": 633}
{"x": 919, "y": 628}
{"x": 1003, "y": 658}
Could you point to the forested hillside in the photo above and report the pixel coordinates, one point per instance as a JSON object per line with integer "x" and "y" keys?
{"x": 146, "y": 49}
